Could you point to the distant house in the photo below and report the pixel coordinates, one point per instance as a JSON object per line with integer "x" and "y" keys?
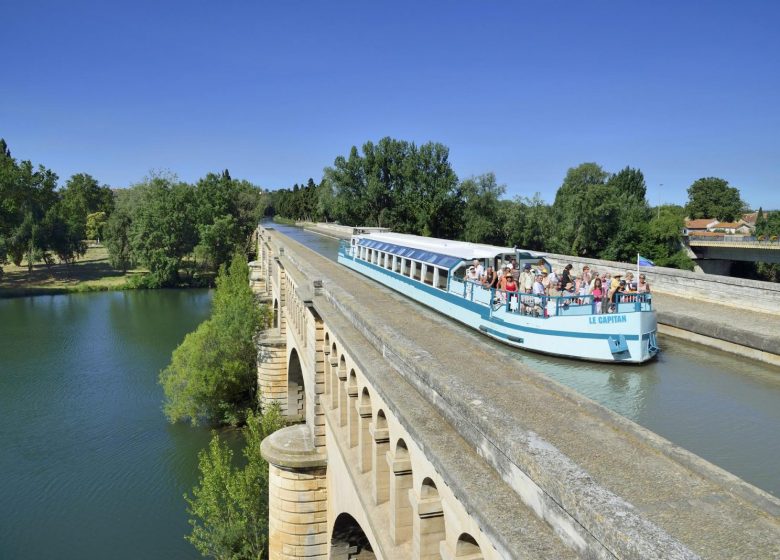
{"x": 709, "y": 227}
{"x": 698, "y": 226}
{"x": 729, "y": 227}
{"x": 750, "y": 219}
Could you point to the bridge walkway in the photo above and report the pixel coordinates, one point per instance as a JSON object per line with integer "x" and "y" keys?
{"x": 584, "y": 457}
{"x": 727, "y": 324}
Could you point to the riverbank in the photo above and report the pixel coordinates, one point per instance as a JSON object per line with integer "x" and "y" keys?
{"x": 90, "y": 273}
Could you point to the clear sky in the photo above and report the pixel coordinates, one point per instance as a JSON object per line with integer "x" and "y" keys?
{"x": 274, "y": 91}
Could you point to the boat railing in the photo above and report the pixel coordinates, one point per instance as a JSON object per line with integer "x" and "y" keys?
{"x": 502, "y": 301}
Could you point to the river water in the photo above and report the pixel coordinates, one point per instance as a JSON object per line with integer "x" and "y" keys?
{"x": 90, "y": 466}
{"x": 722, "y": 407}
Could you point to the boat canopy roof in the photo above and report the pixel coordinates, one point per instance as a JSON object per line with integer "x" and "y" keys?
{"x": 444, "y": 252}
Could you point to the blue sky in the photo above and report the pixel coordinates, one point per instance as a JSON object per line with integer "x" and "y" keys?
{"x": 274, "y": 91}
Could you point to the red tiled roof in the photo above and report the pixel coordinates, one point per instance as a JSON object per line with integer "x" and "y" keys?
{"x": 750, "y": 218}
{"x": 727, "y": 225}
{"x": 701, "y": 223}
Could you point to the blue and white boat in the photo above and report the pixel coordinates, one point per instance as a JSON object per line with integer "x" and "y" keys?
{"x": 434, "y": 272}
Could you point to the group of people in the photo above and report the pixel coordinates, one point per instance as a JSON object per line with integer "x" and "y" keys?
{"x": 539, "y": 282}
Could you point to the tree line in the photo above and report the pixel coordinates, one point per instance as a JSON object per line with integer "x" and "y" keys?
{"x": 595, "y": 213}
{"x": 175, "y": 230}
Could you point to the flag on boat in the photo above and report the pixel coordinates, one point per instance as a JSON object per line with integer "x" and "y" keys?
{"x": 641, "y": 261}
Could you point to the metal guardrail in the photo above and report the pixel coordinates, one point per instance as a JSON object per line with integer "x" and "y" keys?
{"x": 734, "y": 241}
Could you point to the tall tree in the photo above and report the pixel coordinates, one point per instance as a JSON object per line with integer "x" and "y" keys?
{"x": 164, "y": 228}
{"x": 711, "y": 197}
{"x": 482, "y": 221}
{"x": 585, "y": 211}
{"x": 229, "y": 505}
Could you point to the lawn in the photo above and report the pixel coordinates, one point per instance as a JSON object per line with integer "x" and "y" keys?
{"x": 90, "y": 272}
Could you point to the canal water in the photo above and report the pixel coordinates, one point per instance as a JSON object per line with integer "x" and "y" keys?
{"x": 721, "y": 407}
{"x": 90, "y": 468}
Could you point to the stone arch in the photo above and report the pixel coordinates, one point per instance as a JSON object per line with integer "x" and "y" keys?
{"x": 364, "y": 431}
{"x": 296, "y": 393}
{"x": 352, "y": 410}
{"x": 342, "y": 384}
{"x": 428, "y": 522}
{"x": 334, "y": 376}
{"x": 380, "y": 436}
{"x": 400, "y": 484}
{"x": 348, "y": 541}
{"x": 467, "y": 548}
{"x": 326, "y": 360}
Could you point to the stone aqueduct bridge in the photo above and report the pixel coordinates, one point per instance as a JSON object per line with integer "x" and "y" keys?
{"x": 419, "y": 439}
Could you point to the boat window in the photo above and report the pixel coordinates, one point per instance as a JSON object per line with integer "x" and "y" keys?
{"x": 442, "y": 283}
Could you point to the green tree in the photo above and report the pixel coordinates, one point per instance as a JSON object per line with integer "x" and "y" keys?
{"x": 482, "y": 221}
{"x": 118, "y": 239}
{"x": 664, "y": 237}
{"x": 83, "y": 196}
{"x": 398, "y": 185}
{"x": 96, "y": 225}
{"x": 529, "y": 223}
{"x": 711, "y": 197}
{"x": 229, "y": 506}
{"x": 228, "y": 211}
{"x": 163, "y": 229}
{"x": 585, "y": 212}
{"x": 212, "y": 376}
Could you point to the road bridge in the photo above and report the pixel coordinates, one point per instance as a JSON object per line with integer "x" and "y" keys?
{"x": 414, "y": 440}
{"x": 715, "y": 255}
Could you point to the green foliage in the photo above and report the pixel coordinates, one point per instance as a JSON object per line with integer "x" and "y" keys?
{"x": 482, "y": 221}
{"x": 229, "y": 506}
{"x": 393, "y": 183}
{"x": 585, "y": 211}
{"x": 96, "y": 225}
{"x": 529, "y": 223}
{"x": 711, "y": 197}
{"x": 163, "y": 229}
{"x": 212, "y": 376}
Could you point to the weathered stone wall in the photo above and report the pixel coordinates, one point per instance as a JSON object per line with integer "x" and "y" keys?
{"x": 724, "y": 290}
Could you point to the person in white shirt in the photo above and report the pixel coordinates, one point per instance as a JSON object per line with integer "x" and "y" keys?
{"x": 479, "y": 269}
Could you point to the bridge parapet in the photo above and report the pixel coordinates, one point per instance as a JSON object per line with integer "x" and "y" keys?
{"x": 439, "y": 447}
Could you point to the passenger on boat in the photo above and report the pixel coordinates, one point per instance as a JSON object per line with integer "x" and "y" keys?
{"x": 593, "y": 276}
{"x": 526, "y": 280}
{"x": 630, "y": 284}
{"x": 566, "y": 276}
{"x": 598, "y": 294}
{"x": 490, "y": 279}
{"x": 586, "y": 277}
{"x": 538, "y": 287}
{"x": 642, "y": 286}
{"x": 610, "y": 286}
{"x": 511, "y": 289}
{"x": 479, "y": 268}
{"x": 617, "y": 286}
{"x": 546, "y": 282}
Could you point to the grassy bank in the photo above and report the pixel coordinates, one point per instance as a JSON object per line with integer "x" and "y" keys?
{"x": 91, "y": 273}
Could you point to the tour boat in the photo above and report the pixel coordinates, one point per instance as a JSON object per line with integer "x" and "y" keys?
{"x": 434, "y": 272}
